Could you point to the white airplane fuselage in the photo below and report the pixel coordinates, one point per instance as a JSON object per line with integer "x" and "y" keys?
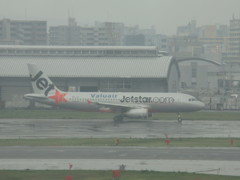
{"x": 127, "y": 104}
{"x": 99, "y": 101}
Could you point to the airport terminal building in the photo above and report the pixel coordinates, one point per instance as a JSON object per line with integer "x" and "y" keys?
{"x": 105, "y": 69}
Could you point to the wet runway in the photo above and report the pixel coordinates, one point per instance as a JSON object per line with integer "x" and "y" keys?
{"x": 221, "y": 161}
{"x": 224, "y": 161}
{"x": 73, "y": 128}
{"x": 144, "y": 153}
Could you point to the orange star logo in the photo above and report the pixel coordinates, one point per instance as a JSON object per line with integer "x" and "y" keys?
{"x": 58, "y": 97}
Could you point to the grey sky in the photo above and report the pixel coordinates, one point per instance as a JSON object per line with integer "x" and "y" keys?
{"x": 164, "y": 15}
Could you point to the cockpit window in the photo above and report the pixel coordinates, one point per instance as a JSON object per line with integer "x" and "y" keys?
{"x": 191, "y": 99}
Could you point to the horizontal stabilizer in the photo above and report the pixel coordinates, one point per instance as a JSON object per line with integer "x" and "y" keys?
{"x": 35, "y": 96}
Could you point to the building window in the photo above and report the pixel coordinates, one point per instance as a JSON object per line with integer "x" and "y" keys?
{"x": 116, "y": 85}
{"x": 194, "y": 73}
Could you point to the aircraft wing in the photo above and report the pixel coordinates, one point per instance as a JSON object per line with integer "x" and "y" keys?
{"x": 122, "y": 107}
{"x": 35, "y": 96}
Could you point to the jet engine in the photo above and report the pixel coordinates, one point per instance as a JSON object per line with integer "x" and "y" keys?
{"x": 138, "y": 113}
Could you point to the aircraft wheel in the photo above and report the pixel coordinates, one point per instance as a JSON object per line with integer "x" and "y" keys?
{"x": 179, "y": 118}
{"x": 118, "y": 119}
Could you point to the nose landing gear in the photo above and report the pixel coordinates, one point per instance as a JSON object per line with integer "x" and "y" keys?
{"x": 179, "y": 118}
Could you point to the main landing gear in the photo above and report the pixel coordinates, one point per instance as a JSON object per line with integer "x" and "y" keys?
{"x": 179, "y": 118}
{"x": 118, "y": 119}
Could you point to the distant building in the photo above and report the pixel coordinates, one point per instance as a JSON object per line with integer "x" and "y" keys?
{"x": 113, "y": 32}
{"x": 197, "y": 75}
{"x": 65, "y": 35}
{"x": 208, "y": 41}
{"x": 105, "y": 34}
{"x": 135, "y": 40}
{"x": 144, "y": 37}
{"x": 214, "y": 41}
{"x": 162, "y": 42}
{"x": 233, "y": 51}
{"x": 101, "y": 34}
{"x": 16, "y": 32}
{"x": 189, "y": 30}
{"x": 185, "y": 43}
{"x": 185, "y": 46}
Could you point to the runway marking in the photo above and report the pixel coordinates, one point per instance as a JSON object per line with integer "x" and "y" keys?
{"x": 205, "y": 167}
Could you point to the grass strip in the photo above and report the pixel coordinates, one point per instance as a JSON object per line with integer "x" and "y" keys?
{"x": 69, "y": 114}
{"x": 155, "y": 142}
{"x": 106, "y": 175}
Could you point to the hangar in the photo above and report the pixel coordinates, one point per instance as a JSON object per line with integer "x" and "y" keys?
{"x": 125, "y": 69}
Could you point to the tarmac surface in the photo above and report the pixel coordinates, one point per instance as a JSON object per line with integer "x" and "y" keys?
{"x": 73, "y": 128}
{"x": 150, "y": 153}
{"x": 224, "y": 161}
{"x": 220, "y": 161}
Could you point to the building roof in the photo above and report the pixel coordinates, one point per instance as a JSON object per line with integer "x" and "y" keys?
{"x": 79, "y": 51}
{"x": 15, "y": 47}
{"x": 101, "y": 67}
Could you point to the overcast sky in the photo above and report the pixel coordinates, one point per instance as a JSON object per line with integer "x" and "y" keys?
{"x": 164, "y": 15}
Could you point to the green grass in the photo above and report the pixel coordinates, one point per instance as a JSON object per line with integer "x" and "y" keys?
{"x": 52, "y": 114}
{"x": 106, "y": 175}
{"x": 69, "y": 114}
{"x": 175, "y": 142}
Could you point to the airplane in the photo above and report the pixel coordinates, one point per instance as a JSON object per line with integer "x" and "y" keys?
{"x": 124, "y": 104}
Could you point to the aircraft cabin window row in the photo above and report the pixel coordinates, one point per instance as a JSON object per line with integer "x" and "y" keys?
{"x": 102, "y": 100}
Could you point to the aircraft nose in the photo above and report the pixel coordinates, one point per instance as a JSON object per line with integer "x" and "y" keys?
{"x": 201, "y": 105}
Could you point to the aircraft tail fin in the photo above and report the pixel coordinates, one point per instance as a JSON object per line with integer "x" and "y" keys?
{"x": 41, "y": 84}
